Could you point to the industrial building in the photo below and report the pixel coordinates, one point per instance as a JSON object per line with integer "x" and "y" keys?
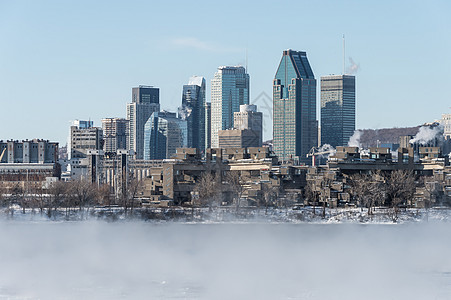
{"x": 28, "y": 164}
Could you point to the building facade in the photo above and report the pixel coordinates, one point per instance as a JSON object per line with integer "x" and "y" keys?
{"x": 207, "y": 125}
{"x": 193, "y": 111}
{"x": 337, "y": 109}
{"x": 238, "y": 138}
{"x": 145, "y": 101}
{"x": 294, "y": 103}
{"x": 82, "y": 140}
{"x": 248, "y": 118}
{"x": 229, "y": 90}
{"x": 164, "y": 133}
{"x": 115, "y": 134}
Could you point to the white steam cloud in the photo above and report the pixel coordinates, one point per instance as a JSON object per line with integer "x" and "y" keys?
{"x": 127, "y": 260}
{"x": 354, "y": 140}
{"x": 426, "y": 134}
{"x": 327, "y": 150}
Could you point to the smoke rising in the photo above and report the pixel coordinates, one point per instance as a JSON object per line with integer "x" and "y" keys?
{"x": 353, "y": 68}
{"x": 99, "y": 260}
{"x": 426, "y": 134}
{"x": 326, "y": 148}
{"x": 354, "y": 140}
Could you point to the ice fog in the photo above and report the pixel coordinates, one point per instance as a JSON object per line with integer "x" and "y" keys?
{"x": 126, "y": 260}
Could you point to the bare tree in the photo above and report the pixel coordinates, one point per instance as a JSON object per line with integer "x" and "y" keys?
{"x": 368, "y": 189}
{"x": 234, "y": 181}
{"x": 270, "y": 193}
{"x": 400, "y": 188}
{"x": 431, "y": 187}
{"x": 207, "y": 188}
{"x": 134, "y": 186}
{"x": 83, "y": 192}
{"x": 58, "y": 191}
{"x": 311, "y": 193}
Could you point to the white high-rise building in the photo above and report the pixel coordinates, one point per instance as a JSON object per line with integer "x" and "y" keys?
{"x": 229, "y": 90}
{"x": 446, "y": 123}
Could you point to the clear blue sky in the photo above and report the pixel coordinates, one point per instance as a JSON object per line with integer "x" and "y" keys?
{"x": 66, "y": 60}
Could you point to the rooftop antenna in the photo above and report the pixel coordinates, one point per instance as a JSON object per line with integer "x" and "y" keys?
{"x": 344, "y": 60}
{"x": 246, "y": 61}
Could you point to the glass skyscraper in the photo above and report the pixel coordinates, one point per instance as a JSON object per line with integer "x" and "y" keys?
{"x": 294, "y": 100}
{"x": 193, "y": 111}
{"x": 337, "y": 109}
{"x": 229, "y": 90}
{"x": 163, "y": 134}
{"x": 145, "y": 101}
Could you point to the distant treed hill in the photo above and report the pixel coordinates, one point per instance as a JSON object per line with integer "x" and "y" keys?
{"x": 370, "y": 137}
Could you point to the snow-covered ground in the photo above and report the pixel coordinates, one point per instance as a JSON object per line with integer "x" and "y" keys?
{"x": 297, "y": 215}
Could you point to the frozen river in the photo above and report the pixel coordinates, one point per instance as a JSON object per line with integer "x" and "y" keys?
{"x": 125, "y": 260}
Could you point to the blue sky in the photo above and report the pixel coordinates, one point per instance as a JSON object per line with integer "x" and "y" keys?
{"x": 66, "y": 60}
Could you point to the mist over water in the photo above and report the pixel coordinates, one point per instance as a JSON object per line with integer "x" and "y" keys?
{"x": 138, "y": 260}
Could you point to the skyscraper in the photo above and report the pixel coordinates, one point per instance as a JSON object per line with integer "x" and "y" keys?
{"x": 145, "y": 101}
{"x": 294, "y": 100}
{"x": 337, "y": 109}
{"x": 229, "y": 90}
{"x": 115, "y": 134}
{"x": 249, "y": 119}
{"x": 164, "y": 133}
{"x": 207, "y": 125}
{"x": 193, "y": 111}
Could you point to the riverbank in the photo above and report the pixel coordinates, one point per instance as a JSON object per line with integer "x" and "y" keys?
{"x": 230, "y": 214}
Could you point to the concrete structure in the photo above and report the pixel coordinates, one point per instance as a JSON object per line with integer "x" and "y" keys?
{"x": 239, "y": 138}
{"x": 207, "y": 125}
{"x": 294, "y": 101}
{"x": 83, "y": 139}
{"x": 337, "y": 109}
{"x": 229, "y": 90}
{"x": 446, "y": 123}
{"x": 193, "y": 111}
{"x": 145, "y": 101}
{"x": 115, "y": 134}
{"x": 28, "y": 164}
{"x": 248, "y": 118}
{"x": 163, "y": 134}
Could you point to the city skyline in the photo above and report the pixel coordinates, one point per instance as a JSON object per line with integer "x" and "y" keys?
{"x": 86, "y": 73}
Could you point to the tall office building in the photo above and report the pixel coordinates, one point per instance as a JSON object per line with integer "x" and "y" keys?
{"x": 229, "y": 90}
{"x": 207, "y": 125}
{"x": 249, "y": 119}
{"x": 145, "y": 101}
{"x": 294, "y": 100}
{"x": 115, "y": 134}
{"x": 193, "y": 111}
{"x": 164, "y": 133}
{"x": 337, "y": 109}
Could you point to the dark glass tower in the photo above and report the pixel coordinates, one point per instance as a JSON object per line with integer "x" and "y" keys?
{"x": 193, "y": 111}
{"x": 337, "y": 109}
{"x": 294, "y": 99}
